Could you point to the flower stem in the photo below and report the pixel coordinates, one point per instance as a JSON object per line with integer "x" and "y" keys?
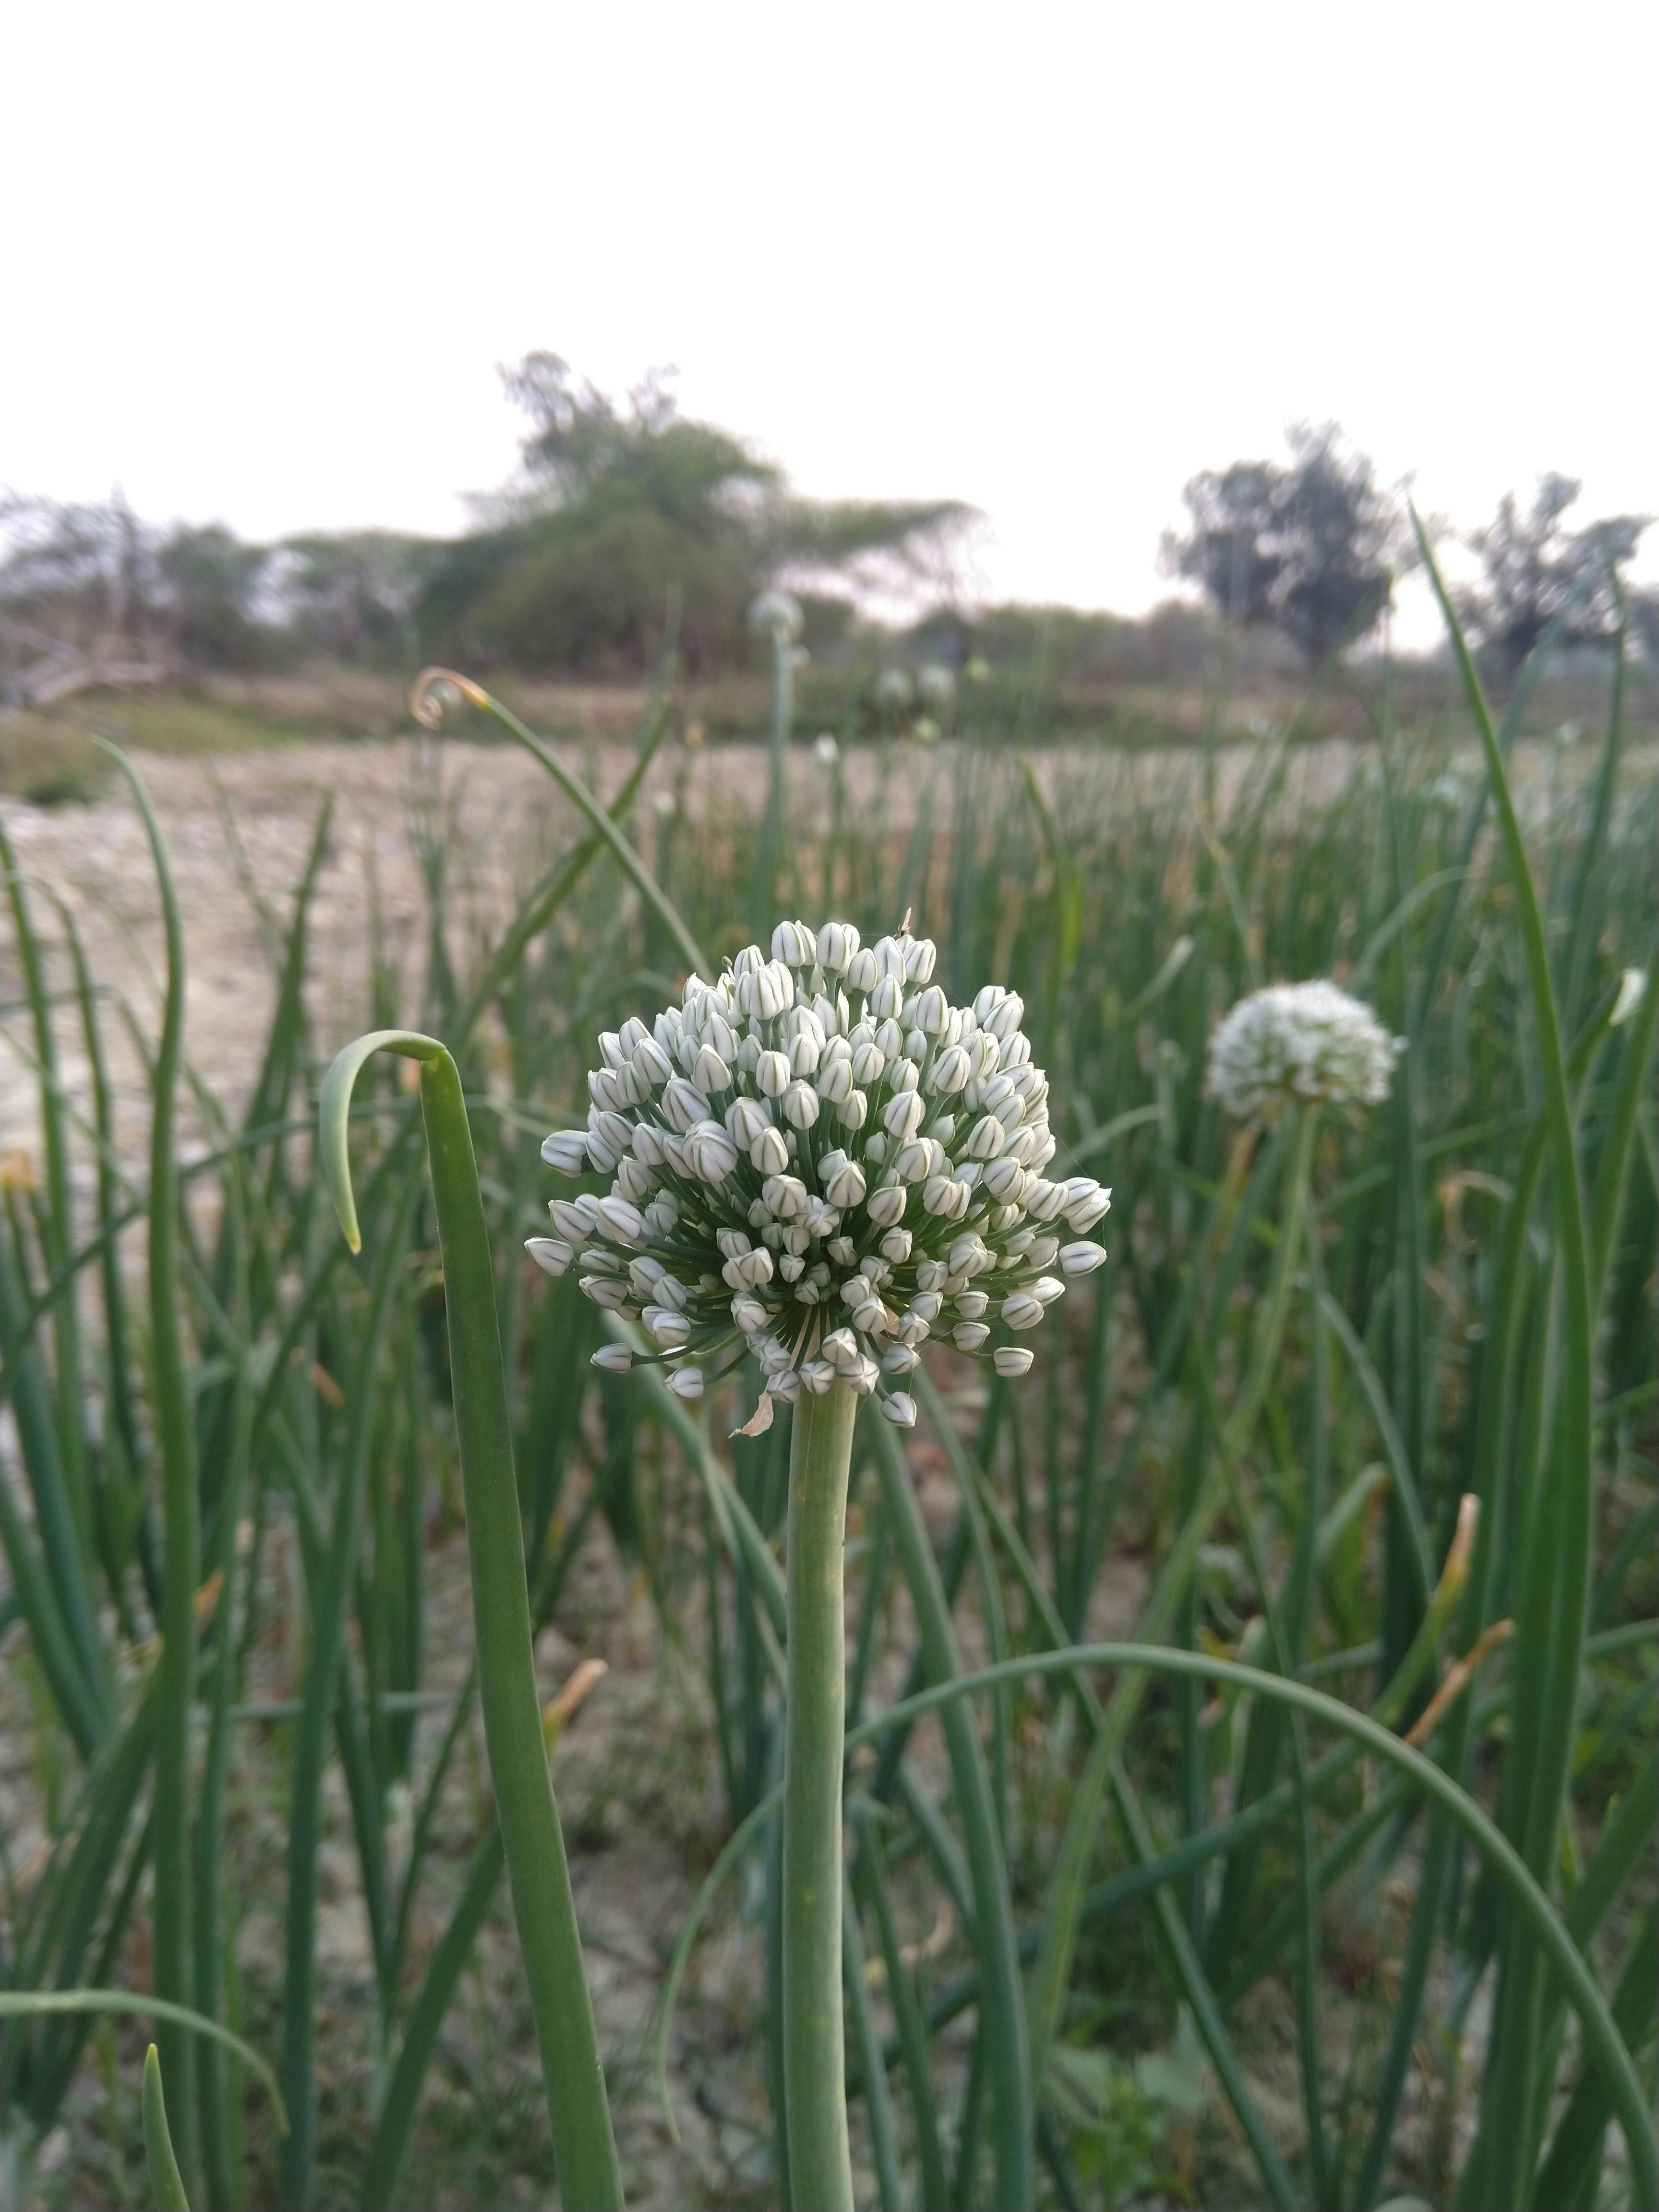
{"x": 814, "y": 2061}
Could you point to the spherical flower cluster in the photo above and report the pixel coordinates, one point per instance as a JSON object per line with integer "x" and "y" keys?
{"x": 820, "y": 1160}
{"x": 776, "y": 615}
{"x": 1300, "y": 1040}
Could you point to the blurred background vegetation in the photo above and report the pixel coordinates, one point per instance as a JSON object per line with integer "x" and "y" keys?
{"x": 630, "y": 529}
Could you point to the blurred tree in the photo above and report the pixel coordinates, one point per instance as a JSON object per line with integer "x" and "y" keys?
{"x": 351, "y": 595}
{"x": 208, "y": 588}
{"x": 80, "y": 578}
{"x": 1532, "y": 567}
{"x": 1307, "y": 549}
{"x": 623, "y": 512}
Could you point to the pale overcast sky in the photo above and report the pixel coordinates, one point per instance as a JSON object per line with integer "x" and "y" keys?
{"x": 261, "y": 261}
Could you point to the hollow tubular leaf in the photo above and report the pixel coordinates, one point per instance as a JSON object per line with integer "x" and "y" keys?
{"x": 583, "y": 2146}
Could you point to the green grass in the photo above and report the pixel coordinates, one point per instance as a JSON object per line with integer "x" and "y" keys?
{"x": 1254, "y": 1965}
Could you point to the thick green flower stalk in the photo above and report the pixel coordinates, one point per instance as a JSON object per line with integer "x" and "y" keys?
{"x": 818, "y": 1160}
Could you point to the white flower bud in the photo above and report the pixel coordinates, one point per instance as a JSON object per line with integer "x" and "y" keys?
{"x": 805, "y": 1051}
{"x": 886, "y": 1206}
{"x": 949, "y": 1071}
{"x": 620, "y": 1221}
{"x": 1043, "y": 1200}
{"x": 1005, "y": 1179}
{"x": 1047, "y": 1289}
{"x": 896, "y": 1246}
{"x": 551, "y": 1254}
{"x": 913, "y": 1328}
{"x": 566, "y": 1151}
{"x": 671, "y": 1292}
{"x": 709, "y": 1153}
{"x": 886, "y": 999}
{"x": 794, "y": 944}
{"x": 800, "y": 1105}
{"x": 651, "y": 1065}
{"x": 869, "y": 1063}
{"x": 745, "y": 1119}
{"x": 686, "y": 1383}
{"x": 1013, "y": 1359}
{"x": 774, "y": 991}
{"x": 840, "y": 1348}
{"x": 835, "y": 1082}
{"x": 1081, "y": 1259}
{"x": 772, "y": 1073}
{"x": 633, "y": 1182}
{"x": 861, "y": 971}
{"x": 672, "y": 1330}
{"x": 770, "y": 1153}
{"x": 648, "y": 1148}
{"x": 601, "y": 1153}
{"x": 901, "y": 1116}
{"x": 938, "y": 1196}
{"x": 969, "y": 1336}
{"x": 604, "y": 1290}
{"x": 846, "y": 1187}
{"x": 709, "y": 1071}
{"x": 971, "y": 1305}
{"x": 900, "y": 1359}
{"x": 785, "y": 1194}
{"x": 613, "y": 1358}
{"x": 900, "y": 1409}
{"x": 572, "y": 1222}
{"x": 837, "y": 943}
{"x": 1085, "y": 1209}
{"x": 817, "y": 1375}
{"x": 786, "y": 1386}
{"x": 683, "y": 1105}
{"x": 853, "y": 1111}
{"x": 920, "y": 956}
{"x": 1021, "y": 1310}
{"x": 927, "y": 1304}
{"x": 986, "y": 1138}
{"x": 930, "y": 1011}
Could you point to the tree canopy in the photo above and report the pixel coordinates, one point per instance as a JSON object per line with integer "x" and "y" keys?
{"x": 1533, "y": 567}
{"x": 629, "y": 516}
{"x": 1307, "y": 550}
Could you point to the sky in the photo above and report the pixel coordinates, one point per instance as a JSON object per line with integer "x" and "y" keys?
{"x": 262, "y": 262}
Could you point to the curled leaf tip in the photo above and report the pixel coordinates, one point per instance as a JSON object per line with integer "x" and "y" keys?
{"x": 429, "y": 697}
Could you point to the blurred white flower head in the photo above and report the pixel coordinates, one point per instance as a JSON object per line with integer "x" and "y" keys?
{"x": 826, "y": 751}
{"x": 936, "y": 684}
{"x": 894, "y": 688}
{"x": 1631, "y": 985}
{"x": 775, "y": 614}
{"x": 818, "y": 1161}
{"x": 1307, "y": 1042}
